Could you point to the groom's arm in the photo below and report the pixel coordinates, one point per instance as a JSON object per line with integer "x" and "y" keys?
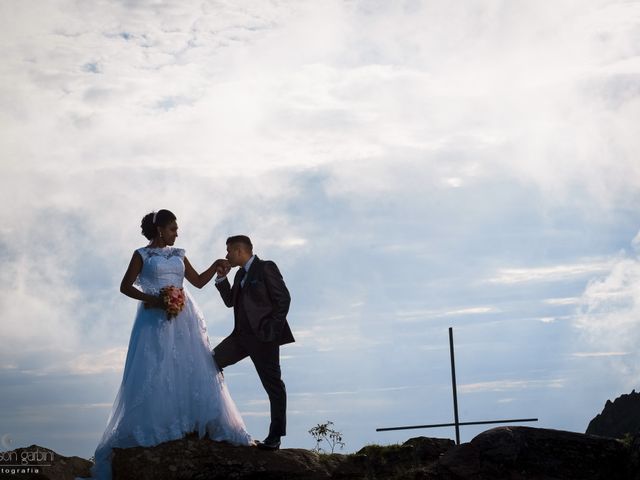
{"x": 223, "y": 286}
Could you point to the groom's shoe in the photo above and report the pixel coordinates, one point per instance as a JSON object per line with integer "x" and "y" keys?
{"x": 270, "y": 443}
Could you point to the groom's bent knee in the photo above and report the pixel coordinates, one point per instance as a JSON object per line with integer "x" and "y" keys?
{"x": 228, "y": 352}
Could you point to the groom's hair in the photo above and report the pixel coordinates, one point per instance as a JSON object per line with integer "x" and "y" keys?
{"x": 242, "y": 239}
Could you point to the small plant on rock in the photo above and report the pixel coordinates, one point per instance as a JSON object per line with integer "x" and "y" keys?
{"x": 323, "y": 433}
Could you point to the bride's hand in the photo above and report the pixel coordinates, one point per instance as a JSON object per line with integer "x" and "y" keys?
{"x": 157, "y": 302}
{"x": 222, "y": 267}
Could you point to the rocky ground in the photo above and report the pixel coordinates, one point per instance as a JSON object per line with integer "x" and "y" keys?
{"x": 509, "y": 453}
{"x": 35, "y": 462}
{"x": 504, "y": 453}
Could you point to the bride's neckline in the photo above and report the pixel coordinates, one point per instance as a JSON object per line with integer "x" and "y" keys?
{"x": 158, "y": 248}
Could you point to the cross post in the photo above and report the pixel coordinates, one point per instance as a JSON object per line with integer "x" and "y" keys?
{"x": 457, "y": 423}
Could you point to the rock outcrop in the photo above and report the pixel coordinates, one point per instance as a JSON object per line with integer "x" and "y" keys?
{"x": 618, "y": 418}
{"x": 504, "y": 453}
{"x": 509, "y": 453}
{"x": 37, "y": 462}
{"x": 193, "y": 458}
{"x": 392, "y": 460}
{"x": 512, "y": 453}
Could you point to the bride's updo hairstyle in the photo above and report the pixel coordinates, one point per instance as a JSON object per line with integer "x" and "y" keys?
{"x": 150, "y": 221}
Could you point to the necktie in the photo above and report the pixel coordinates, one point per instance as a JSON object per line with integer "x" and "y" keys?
{"x": 241, "y": 275}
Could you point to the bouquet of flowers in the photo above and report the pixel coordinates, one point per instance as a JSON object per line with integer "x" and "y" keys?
{"x": 173, "y": 299}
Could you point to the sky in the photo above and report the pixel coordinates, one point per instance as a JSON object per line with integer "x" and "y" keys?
{"x": 409, "y": 165}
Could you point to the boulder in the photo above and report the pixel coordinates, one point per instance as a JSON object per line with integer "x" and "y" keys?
{"x": 415, "y": 453}
{"x": 519, "y": 453}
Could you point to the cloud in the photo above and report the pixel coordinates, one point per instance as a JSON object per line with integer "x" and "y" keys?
{"x": 599, "y": 354}
{"x": 563, "y": 301}
{"x": 547, "y": 319}
{"x": 110, "y": 360}
{"x": 417, "y": 315}
{"x": 253, "y": 413}
{"x": 609, "y": 312}
{"x": 340, "y": 333}
{"x": 391, "y": 157}
{"x": 510, "y": 385}
{"x": 384, "y": 99}
{"x": 553, "y": 273}
{"x": 358, "y": 392}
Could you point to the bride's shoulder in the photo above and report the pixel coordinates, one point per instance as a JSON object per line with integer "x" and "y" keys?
{"x": 166, "y": 252}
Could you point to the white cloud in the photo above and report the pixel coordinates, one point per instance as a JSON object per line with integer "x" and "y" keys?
{"x": 553, "y": 273}
{"x": 255, "y": 413}
{"x": 347, "y": 334}
{"x": 38, "y": 303}
{"x": 358, "y": 392}
{"x": 110, "y": 360}
{"x": 609, "y": 313}
{"x": 417, "y": 315}
{"x": 246, "y": 97}
{"x": 380, "y": 138}
{"x": 547, "y": 319}
{"x": 510, "y": 385}
{"x": 563, "y": 301}
{"x": 599, "y": 354}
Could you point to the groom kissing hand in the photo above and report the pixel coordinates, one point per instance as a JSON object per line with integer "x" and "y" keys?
{"x": 260, "y": 302}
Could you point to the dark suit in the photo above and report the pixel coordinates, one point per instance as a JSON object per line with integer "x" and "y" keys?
{"x": 260, "y": 310}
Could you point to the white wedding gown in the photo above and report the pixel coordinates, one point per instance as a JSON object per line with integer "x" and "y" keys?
{"x": 171, "y": 385}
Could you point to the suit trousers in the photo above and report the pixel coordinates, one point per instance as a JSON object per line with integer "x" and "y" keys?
{"x": 266, "y": 359}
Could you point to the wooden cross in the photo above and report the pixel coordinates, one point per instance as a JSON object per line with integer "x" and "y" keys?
{"x": 457, "y": 423}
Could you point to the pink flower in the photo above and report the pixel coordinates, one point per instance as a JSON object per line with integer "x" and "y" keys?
{"x": 173, "y": 298}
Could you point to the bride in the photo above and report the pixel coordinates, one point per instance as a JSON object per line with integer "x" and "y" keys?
{"x": 171, "y": 385}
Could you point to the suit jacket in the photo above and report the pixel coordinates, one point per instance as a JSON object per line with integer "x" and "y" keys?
{"x": 265, "y": 298}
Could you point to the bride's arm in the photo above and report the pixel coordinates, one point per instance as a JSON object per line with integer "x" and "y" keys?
{"x": 199, "y": 280}
{"x": 126, "y": 286}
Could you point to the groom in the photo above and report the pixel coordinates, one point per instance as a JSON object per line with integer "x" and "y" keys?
{"x": 260, "y": 302}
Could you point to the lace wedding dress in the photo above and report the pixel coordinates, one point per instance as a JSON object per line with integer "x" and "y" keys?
{"x": 171, "y": 385}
